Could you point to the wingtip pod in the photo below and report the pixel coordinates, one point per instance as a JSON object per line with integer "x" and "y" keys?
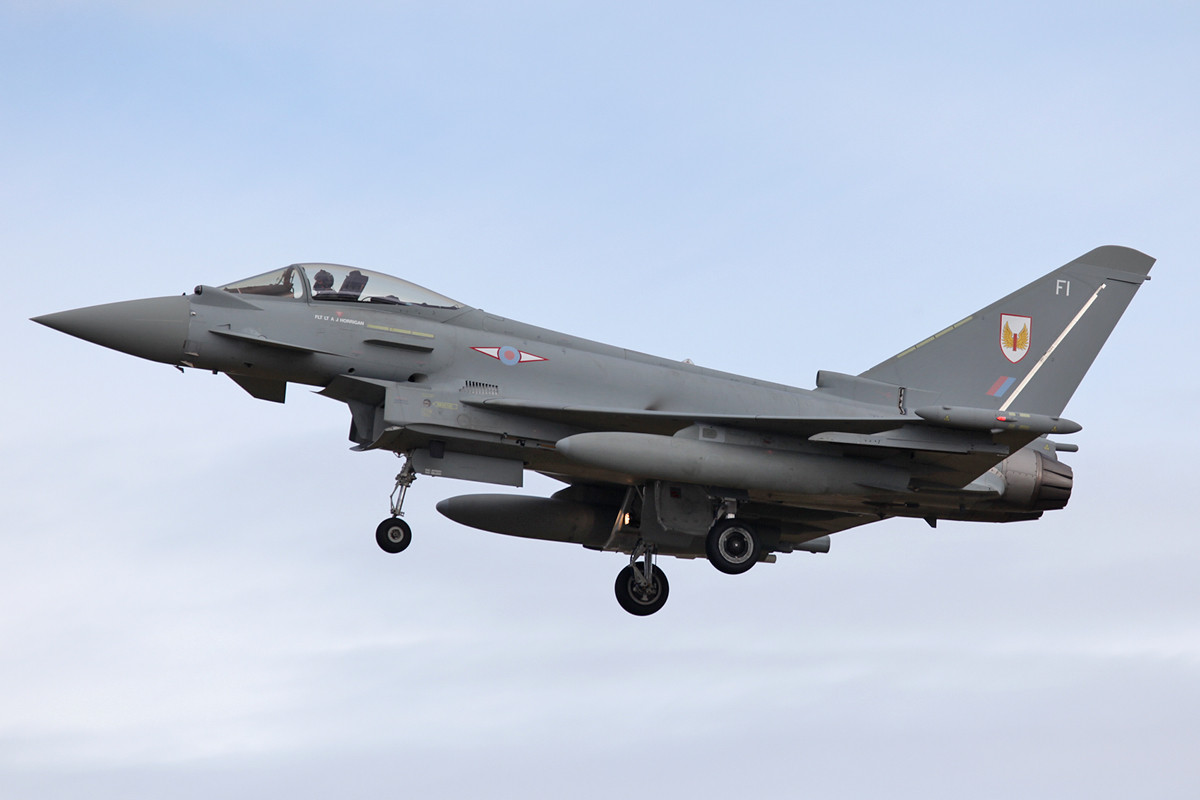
{"x": 990, "y": 419}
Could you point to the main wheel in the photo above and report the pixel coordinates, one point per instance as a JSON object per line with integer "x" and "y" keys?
{"x": 393, "y": 535}
{"x": 732, "y": 546}
{"x": 642, "y": 600}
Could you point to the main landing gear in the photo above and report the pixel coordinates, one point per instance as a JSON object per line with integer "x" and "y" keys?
{"x": 394, "y": 534}
{"x": 642, "y": 588}
{"x": 732, "y": 545}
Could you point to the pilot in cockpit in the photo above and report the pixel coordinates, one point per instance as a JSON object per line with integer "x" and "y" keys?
{"x": 322, "y": 282}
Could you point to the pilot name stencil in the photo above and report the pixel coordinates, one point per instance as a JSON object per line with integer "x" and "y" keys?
{"x": 338, "y": 318}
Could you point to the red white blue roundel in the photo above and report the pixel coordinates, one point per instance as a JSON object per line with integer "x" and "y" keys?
{"x": 508, "y": 355}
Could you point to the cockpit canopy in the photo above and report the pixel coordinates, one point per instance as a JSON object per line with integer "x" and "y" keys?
{"x": 336, "y": 282}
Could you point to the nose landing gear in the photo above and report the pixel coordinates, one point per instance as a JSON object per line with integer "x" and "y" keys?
{"x": 394, "y": 534}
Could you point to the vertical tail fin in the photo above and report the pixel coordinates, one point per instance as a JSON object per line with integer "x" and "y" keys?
{"x": 1030, "y": 350}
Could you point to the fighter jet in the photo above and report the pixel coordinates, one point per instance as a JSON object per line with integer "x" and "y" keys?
{"x": 658, "y": 457}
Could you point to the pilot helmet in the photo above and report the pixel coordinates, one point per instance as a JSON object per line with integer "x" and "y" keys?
{"x": 323, "y": 281}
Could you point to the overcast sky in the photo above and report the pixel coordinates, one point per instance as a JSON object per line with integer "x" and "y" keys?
{"x": 192, "y": 601}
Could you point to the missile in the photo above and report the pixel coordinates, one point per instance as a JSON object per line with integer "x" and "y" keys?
{"x": 731, "y": 466}
{"x": 988, "y": 419}
{"x": 545, "y": 518}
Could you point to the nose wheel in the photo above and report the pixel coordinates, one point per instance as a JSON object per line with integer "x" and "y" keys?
{"x": 394, "y": 535}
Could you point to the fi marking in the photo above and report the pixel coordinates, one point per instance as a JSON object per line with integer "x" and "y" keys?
{"x": 1062, "y": 287}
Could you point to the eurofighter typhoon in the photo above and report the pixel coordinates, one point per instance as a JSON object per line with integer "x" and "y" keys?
{"x": 658, "y": 458}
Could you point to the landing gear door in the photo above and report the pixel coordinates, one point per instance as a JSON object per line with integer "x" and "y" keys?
{"x": 683, "y": 508}
{"x": 438, "y": 461}
{"x": 409, "y": 405}
{"x": 412, "y": 404}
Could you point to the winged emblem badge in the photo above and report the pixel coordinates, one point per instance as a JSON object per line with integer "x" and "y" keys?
{"x": 1014, "y": 336}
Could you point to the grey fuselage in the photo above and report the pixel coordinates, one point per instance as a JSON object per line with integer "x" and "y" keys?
{"x": 659, "y": 456}
{"x": 415, "y": 375}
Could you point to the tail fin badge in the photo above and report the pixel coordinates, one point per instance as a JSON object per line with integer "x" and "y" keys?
{"x": 1015, "y": 332}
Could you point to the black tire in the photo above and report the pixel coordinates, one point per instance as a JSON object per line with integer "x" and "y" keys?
{"x": 732, "y": 546}
{"x": 639, "y": 600}
{"x": 393, "y": 535}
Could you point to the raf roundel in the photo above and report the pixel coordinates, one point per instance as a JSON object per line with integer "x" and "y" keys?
{"x": 508, "y": 355}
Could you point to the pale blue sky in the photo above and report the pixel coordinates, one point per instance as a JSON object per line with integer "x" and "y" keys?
{"x": 766, "y": 188}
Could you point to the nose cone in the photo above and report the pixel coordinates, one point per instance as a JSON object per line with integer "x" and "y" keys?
{"x": 155, "y": 328}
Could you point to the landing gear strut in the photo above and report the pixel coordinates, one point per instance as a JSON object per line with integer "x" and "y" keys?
{"x": 394, "y": 534}
{"x": 642, "y": 588}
